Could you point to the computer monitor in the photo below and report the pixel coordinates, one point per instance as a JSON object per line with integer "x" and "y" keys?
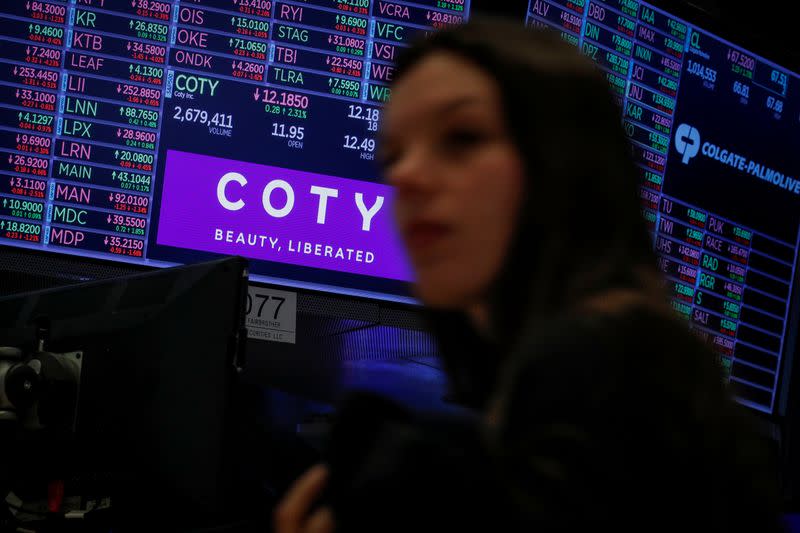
{"x": 164, "y": 132}
{"x": 156, "y": 428}
{"x": 714, "y": 132}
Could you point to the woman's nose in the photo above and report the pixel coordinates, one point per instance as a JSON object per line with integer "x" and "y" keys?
{"x": 413, "y": 174}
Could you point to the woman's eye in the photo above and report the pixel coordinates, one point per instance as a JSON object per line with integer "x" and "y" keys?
{"x": 459, "y": 139}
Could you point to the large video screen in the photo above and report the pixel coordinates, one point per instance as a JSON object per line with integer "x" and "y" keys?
{"x": 715, "y": 131}
{"x": 165, "y": 132}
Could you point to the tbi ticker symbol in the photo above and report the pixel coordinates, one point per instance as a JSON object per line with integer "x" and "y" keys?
{"x": 687, "y": 142}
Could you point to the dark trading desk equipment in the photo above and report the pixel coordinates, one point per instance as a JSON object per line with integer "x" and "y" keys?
{"x": 126, "y": 389}
{"x": 283, "y": 397}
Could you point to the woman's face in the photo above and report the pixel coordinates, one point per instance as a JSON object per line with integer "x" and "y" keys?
{"x": 458, "y": 177}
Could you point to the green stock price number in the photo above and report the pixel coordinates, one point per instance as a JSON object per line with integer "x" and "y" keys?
{"x": 344, "y": 87}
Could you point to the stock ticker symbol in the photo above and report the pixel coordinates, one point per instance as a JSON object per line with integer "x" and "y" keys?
{"x": 687, "y": 142}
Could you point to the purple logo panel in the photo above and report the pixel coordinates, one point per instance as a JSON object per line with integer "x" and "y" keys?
{"x": 276, "y": 214}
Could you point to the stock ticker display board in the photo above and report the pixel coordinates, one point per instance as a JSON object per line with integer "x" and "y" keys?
{"x": 166, "y": 131}
{"x": 714, "y": 130}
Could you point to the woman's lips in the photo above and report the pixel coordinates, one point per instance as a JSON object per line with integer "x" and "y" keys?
{"x": 423, "y": 235}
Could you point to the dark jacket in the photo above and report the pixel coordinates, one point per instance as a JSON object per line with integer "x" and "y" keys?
{"x": 615, "y": 420}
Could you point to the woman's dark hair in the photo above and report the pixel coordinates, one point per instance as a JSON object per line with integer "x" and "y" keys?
{"x": 580, "y": 228}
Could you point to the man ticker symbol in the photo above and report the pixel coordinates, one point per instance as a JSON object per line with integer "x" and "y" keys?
{"x": 687, "y": 142}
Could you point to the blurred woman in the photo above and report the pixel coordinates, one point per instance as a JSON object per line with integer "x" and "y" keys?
{"x": 518, "y": 205}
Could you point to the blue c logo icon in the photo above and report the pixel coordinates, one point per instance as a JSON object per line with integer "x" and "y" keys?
{"x": 687, "y": 142}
